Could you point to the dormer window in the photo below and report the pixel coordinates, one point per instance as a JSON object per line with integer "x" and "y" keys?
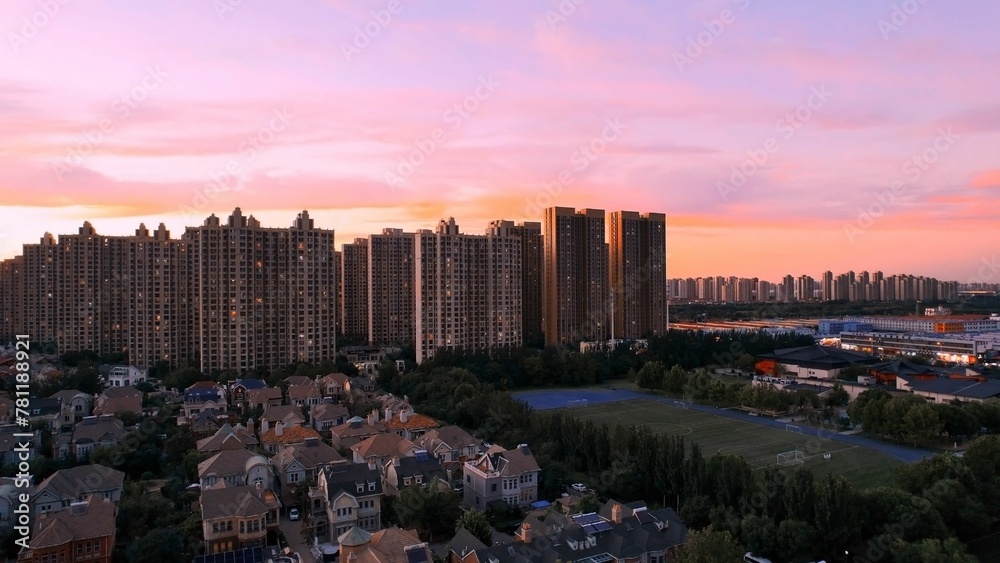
{"x": 361, "y": 487}
{"x": 371, "y": 485}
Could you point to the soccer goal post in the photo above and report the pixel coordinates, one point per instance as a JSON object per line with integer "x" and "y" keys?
{"x": 793, "y": 428}
{"x": 793, "y": 457}
{"x": 576, "y": 403}
{"x": 680, "y": 404}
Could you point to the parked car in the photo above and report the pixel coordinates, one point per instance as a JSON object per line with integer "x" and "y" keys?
{"x": 579, "y": 487}
{"x": 293, "y": 514}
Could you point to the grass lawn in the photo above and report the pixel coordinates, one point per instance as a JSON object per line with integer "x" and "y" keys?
{"x": 759, "y": 445}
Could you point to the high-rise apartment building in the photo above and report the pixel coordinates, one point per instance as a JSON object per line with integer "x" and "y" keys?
{"x": 390, "y": 288}
{"x": 532, "y": 267}
{"x": 638, "y": 273}
{"x": 233, "y": 296}
{"x": 264, "y": 296}
{"x": 354, "y": 290}
{"x": 576, "y": 297}
{"x": 467, "y": 289}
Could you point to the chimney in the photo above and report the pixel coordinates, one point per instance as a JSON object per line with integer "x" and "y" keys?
{"x": 371, "y": 463}
{"x": 388, "y": 414}
{"x": 404, "y": 415}
{"x": 616, "y": 513}
{"x": 526, "y": 535}
{"x": 250, "y": 425}
{"x": 264, "y": 427}
{"x": 395, "y": 461}
{"x": 278, "y": 429}
{"x": 373, "y": 417}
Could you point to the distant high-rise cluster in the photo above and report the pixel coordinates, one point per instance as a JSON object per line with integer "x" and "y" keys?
{"x": 844, "y": 287}
{"x": 224, "y": 296}
{"x": 234, "y": 295}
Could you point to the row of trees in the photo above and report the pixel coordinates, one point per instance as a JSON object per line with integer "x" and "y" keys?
{"x": 912, "y": 418}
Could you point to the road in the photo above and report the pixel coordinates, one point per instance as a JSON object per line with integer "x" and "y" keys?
{"x": 556, "y": 399}
{"x": 293, "y": 534}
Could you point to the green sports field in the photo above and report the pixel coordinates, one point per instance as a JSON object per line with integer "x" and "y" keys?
{"x": 759, "y": 445}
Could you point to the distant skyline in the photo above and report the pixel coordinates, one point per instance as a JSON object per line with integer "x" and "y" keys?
{"x": 866, "y": 135}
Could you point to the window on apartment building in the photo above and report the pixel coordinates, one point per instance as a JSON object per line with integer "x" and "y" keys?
{"x": 493, "y": 488}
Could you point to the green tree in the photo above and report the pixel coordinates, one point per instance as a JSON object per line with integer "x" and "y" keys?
{"x": 838, "y": 396}
{"x": 922, "y": 423}
{"x": 675, "y": 380}
{"x": 430, "y": 511}
{"x": 475, "y": 523}
{"x": 161, "y": 545}
{"x": 710, "y": 546}
{"x": 852, "y": 372}
{"x": 932, "y": 550}
{"x": 182, "y": 378}
{"x": 796, "y": 540}
{"x": 745, "y": 363}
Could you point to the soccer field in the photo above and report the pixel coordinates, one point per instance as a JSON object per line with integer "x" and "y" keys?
{"x": 759, "y": 445}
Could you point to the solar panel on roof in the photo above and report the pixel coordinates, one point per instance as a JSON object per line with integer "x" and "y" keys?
{"x": 416, "y": 556}
{"x": 643, "y": 517}
{"x": 602, "y": 527}
{"x": 586, "y": 519}
{"x": 421, "y": 455}
{"x": 246, "y": 555}
{"x": 589, "y": 528}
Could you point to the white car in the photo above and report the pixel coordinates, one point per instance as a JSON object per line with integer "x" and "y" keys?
{"x": 579, "y": 487}
{"x": 293, "y": 514}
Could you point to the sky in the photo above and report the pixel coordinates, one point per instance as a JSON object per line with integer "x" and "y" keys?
{"x": 779, "y": 137}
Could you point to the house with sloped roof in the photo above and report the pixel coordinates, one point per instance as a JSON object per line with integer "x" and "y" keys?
{"x": 356, "y": 429}
{"x": 240, "y": 388}
{"x": 289, "y": 415}
{"x": 618, "y": 532}
{"x": 273, "y": 439}
{"x": 204, "y": 395}
{"x": 90, "y": 433}
{"x": 11, "y": 440}
{"x": 510, "y": 476}
{"x": 305, "y": 395}
{"x": 420, "y": 470}
{"x": 264, "y": 398}
{"x": 297, "y": 380}
{"x": 391, "y": 545}
{"x": 946, "y": 390}
{"x": 450, "y": 444}
{"x": 114, "y": 400}
{"x": 84, "y": 531}
{"x": 77, "y": 484}
{"x": 298, "y": 463}
{"x": 379, "y": 449}
{"x": 334, "y": 385}
{"x": 74, "y": 405}
{"x": 207, "y": 422}
{"x": 229, "y": 437}
{"x": 239, "y": 517}
{"x": 346, "y": 495}
{"x": 235, "y": 467}
{"x": 325, "y": 416}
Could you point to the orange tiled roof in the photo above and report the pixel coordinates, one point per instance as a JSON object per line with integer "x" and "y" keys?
{"x": 290, "y": 435}
{"x": 414, "y": 422}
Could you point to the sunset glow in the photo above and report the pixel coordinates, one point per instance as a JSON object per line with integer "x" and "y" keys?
{"x": 778, "y": 139}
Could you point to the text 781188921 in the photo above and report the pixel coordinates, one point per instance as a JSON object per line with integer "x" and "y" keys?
{"x": 23, "y": 480}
